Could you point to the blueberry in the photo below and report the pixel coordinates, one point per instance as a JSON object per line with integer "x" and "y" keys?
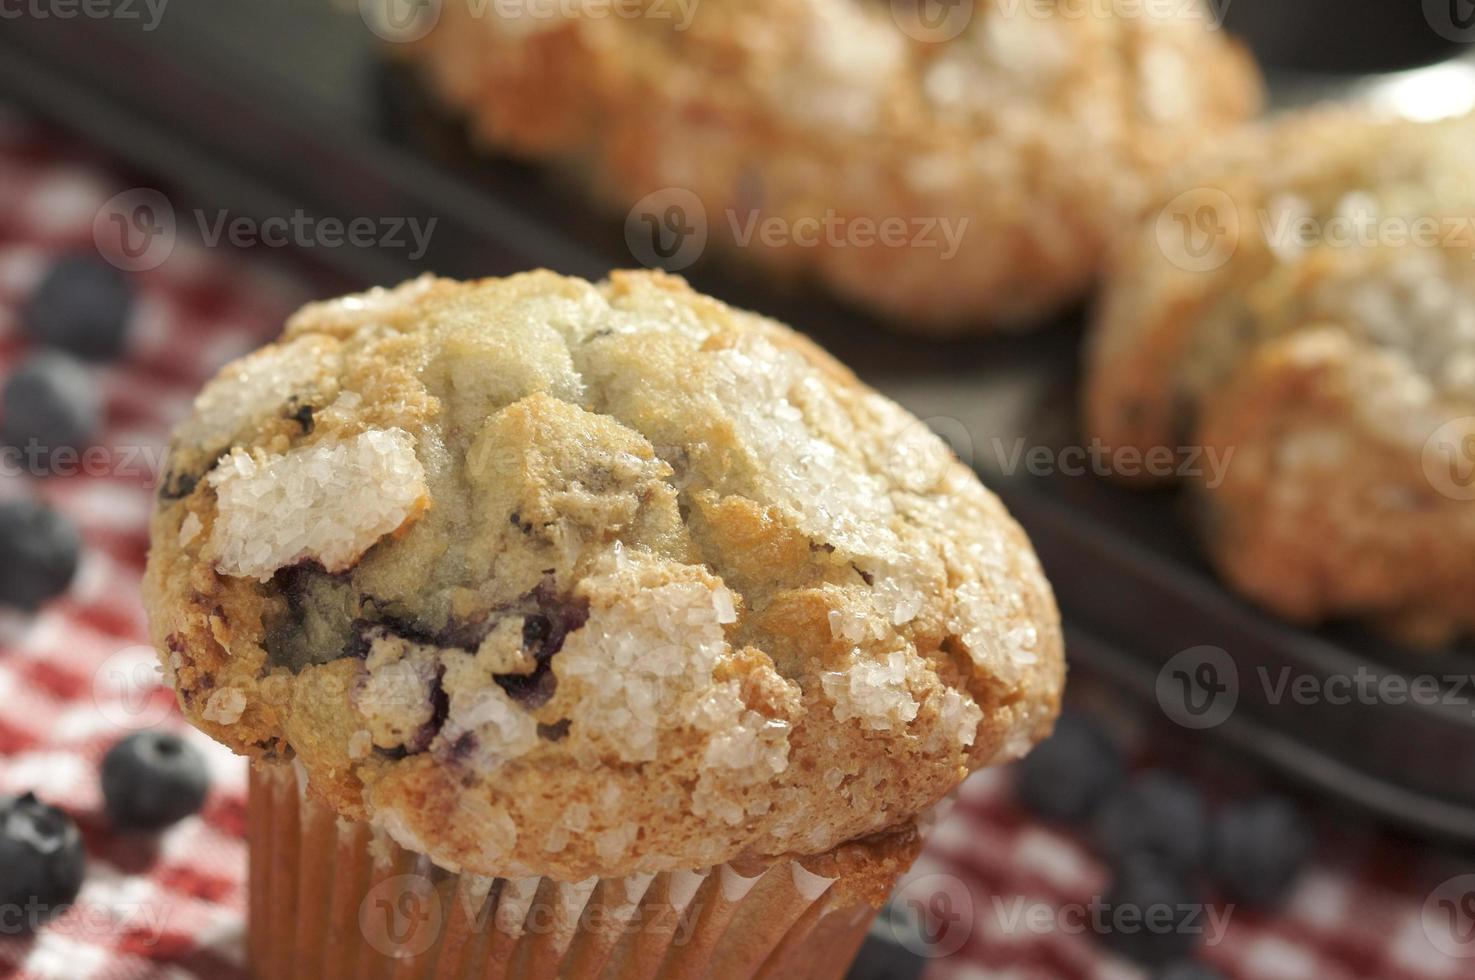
{"x": 42, "y": 861}
{"x": 1158, "y": 813}
{"x": 1188, "y": 970}
{"x": 1152, "y": 913}
{"x": 1258, "y": 848}
{"x": 152, "y": 779}
{"x": 50, "y": 401}
{"x": 39, "y": 552}
{"x": 882, "y": 958}
{"x": 81, "y": 306}
{"x": 1068, "y": 774}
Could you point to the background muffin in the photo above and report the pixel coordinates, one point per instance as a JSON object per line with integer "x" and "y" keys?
{"x": 1308, "y": 305}
{"x": 1003, "y": 145}
{"x": 545, "y": 578}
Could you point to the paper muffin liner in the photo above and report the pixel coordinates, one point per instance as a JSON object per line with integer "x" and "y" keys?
{"x": 333, "y": 898}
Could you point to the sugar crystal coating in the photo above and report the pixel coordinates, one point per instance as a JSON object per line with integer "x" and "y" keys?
{"x": 874, "y": 692}
{"x": 649, "y": 658}
{"x": 324, "y": 503}
{"x": 256, "y": 385}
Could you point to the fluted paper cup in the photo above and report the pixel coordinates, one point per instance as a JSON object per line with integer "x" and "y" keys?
{"x": 333, "y": 898}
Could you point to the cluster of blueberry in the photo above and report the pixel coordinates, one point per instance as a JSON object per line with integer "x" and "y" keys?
{"x": 51, "y": 403}
{"x": 149, "y": 781}
{"x": 1162, "y": 843}
{"x": 52, "y": 411}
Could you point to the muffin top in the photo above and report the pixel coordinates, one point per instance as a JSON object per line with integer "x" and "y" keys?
{"x": 977, "y": 116}
{"x": 1333, "y": 216}
{"x": 545, "y": 577}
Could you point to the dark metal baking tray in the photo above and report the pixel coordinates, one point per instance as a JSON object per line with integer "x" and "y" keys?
{"x": 265, "y": 107}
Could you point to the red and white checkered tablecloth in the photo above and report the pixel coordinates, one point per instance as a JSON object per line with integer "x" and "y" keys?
{"x": 78, "y": 675}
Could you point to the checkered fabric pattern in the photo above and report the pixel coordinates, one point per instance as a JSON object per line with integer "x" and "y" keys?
{"x": 79, "y": 675}
{"x": 1356, "y": 914}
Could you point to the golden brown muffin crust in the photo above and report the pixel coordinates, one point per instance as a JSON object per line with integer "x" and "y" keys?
{"x": 1011, "y": 147}
{"x": 1325, "y": 347}
{"x": 545, "y": 577}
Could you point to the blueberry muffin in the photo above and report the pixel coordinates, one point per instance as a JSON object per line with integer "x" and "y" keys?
{"x": 1307, "y": 312}
{"x": 540, "y": 580}
{"x": 950, "y": 176}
